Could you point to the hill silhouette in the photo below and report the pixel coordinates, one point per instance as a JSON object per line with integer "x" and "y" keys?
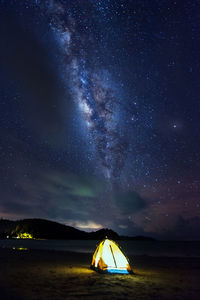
{"x": 44, "y": 229}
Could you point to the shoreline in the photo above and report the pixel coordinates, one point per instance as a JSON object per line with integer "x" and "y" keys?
{"x": 163, "y": 256}
{"x": 189, "y": 249}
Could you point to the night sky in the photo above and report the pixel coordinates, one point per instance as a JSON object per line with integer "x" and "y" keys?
{"x": 100, "y": 114}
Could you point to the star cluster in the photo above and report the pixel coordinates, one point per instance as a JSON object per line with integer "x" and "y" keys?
{"x": 92, "y": 88}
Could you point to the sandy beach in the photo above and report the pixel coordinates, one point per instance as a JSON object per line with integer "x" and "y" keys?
{"x": 39, "y": 274}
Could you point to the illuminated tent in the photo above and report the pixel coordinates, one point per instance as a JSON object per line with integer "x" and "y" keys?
{"x": 108, "y": 258}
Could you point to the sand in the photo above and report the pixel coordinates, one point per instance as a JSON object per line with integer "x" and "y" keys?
{"x": 39, "y": 274}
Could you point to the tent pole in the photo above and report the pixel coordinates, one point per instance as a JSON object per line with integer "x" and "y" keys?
{"x": 113, "y": 256}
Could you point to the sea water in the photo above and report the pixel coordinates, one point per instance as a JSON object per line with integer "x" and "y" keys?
{"x": 152, "y": 248}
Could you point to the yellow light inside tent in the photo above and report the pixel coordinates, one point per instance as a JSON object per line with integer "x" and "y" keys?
{"x": 113, "y": 256}
{"x": 109, "y": 258}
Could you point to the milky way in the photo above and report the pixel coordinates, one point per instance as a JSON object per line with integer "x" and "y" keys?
{"x": 94, "y": 92}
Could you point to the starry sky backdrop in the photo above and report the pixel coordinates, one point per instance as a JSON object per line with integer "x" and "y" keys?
{"x": 99, "y": 114}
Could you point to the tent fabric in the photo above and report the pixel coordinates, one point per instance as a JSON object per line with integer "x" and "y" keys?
{"x": 109, "y": 258}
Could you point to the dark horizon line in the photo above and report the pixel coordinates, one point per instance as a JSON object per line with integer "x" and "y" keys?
{"x": 103, "y": 228}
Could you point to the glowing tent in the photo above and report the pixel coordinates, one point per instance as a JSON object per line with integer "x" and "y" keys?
{"x": 108, "y": 258}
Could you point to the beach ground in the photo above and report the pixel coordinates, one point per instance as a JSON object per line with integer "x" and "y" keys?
{"x": 42, "y": 275}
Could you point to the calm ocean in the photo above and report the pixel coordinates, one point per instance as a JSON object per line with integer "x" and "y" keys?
{"x": 152, "y": 248}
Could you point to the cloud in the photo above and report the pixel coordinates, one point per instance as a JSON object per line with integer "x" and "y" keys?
{"x": 36, "y": 187}
{"x": 65, "y": 197}
{"x": 127, "y": 227}
{"x": 184, "y": 229}
{"x": 129, "y": 202}
{"x": 84, "y": 225}
{"x": 72, "y": 184}
{"x": 36, "y": 190}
